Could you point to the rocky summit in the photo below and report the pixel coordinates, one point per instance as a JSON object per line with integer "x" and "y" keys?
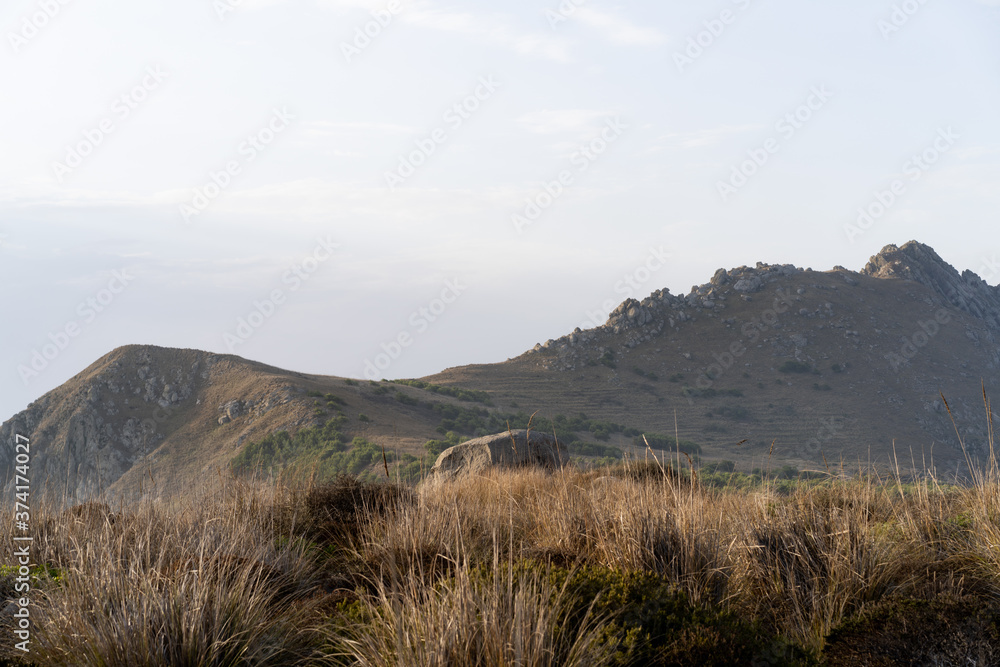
{"x": 814, "y": 369}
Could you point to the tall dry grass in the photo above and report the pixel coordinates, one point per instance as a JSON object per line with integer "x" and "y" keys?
{"x": 800, "y": 564}
{"x": 280, "y": 574}
{"x": 201, "y": 581}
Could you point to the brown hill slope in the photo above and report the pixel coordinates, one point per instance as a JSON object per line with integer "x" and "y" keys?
{"x": 165, "y": 418}
{"x": 833, "y": 365}
{"x": 829, "y": 366}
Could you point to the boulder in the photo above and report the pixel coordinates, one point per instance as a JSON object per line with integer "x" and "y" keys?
{"x": 510, "y": 449}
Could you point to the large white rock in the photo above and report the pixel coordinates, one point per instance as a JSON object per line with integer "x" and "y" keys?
{"x": 510, "y": 449}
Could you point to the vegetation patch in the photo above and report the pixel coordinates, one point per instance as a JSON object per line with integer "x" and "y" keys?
{"x": 667, "y": 443}
{"x": 468, "y": 395}
{"x": 325, "y": 451}
{"x": 946, "y": 630}
{"x": 796, "y": 367}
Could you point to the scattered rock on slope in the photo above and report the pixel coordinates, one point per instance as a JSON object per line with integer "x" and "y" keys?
{"x": 510, "y": 449}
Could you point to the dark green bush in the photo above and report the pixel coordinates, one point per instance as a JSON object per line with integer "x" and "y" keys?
{"x": 651, "y": 622}
{"x": 667, "y": 442}
{"x": 795, "y": 367}
{"x": 338, "y": 509}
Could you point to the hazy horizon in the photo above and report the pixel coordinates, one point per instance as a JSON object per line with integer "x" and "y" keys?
{"x": 473, "y": 179}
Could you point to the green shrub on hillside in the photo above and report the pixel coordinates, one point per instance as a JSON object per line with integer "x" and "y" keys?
{"x": 650, "y": 621}
{"x": 406, "y": 399}
{"x": 577, "y": 448}
{"x": 469, "y": 395}
{"x": 435, "y": 447}
{"x": 650, "y": 375}
{"x": 667, "y": 443}
{"x": 324, "y": 450}
{"x": 795, "y": 367}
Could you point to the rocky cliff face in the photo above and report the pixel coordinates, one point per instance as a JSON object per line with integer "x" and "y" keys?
{"x": 118, "y": 413}
{"x": 919, "y": 263}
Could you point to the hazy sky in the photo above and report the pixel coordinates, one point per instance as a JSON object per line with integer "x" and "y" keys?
{"x": 304, "y": 182}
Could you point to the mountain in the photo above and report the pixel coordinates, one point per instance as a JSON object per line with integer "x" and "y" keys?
{"x": 771, "y": 362}
{"x": 829, "y": 366}
{"x": 160, "y": 418}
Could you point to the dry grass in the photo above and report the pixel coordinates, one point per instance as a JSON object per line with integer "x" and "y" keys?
{"x": 467, "y": 572}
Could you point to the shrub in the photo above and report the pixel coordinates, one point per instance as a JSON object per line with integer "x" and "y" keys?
{"x": 650, "y": 620}
{"x": 435, "y": 447}
{"x": 406, "y": 399}
{"x": 468, "y": 395}
{"x": 577, "y": 448}
{"x": 668, "y": 443}
{"x": 795, "y": 367}
{"x": 734, "y": 412}
{"x": 338, "y": 509}
{"x": 720, "y": 466}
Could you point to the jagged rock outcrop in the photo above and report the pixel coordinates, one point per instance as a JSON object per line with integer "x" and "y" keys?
{"x": 635, "y": 322}
{"x": 511, "y": 449}
{"x": 919, "y": 263}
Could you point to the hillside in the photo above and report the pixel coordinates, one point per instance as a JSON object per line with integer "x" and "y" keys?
{"x": 835, "y": 364}
{"x": 145, "y": 418}
{"x": 833, "y": 367}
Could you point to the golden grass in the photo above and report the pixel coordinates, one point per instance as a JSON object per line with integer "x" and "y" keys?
{"x": 244, "y": 575}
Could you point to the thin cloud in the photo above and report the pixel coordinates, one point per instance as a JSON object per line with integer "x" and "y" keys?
{"x": 493, "y": 29}
{"x": 702, "y": 138}
{"x": 619, "y": 29}
{"x": 557, "y": 121}
{"x": 325, "y": 128}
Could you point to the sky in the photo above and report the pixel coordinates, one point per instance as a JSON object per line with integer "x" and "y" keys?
{"x": 387, "y": 188}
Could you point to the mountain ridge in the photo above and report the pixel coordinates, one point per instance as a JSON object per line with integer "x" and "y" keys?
{"x": 824, "y": 366}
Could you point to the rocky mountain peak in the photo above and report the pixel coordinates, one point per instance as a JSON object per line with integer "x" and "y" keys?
{"x": 919, "y": 263}
{"x": 913, "y": 261}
